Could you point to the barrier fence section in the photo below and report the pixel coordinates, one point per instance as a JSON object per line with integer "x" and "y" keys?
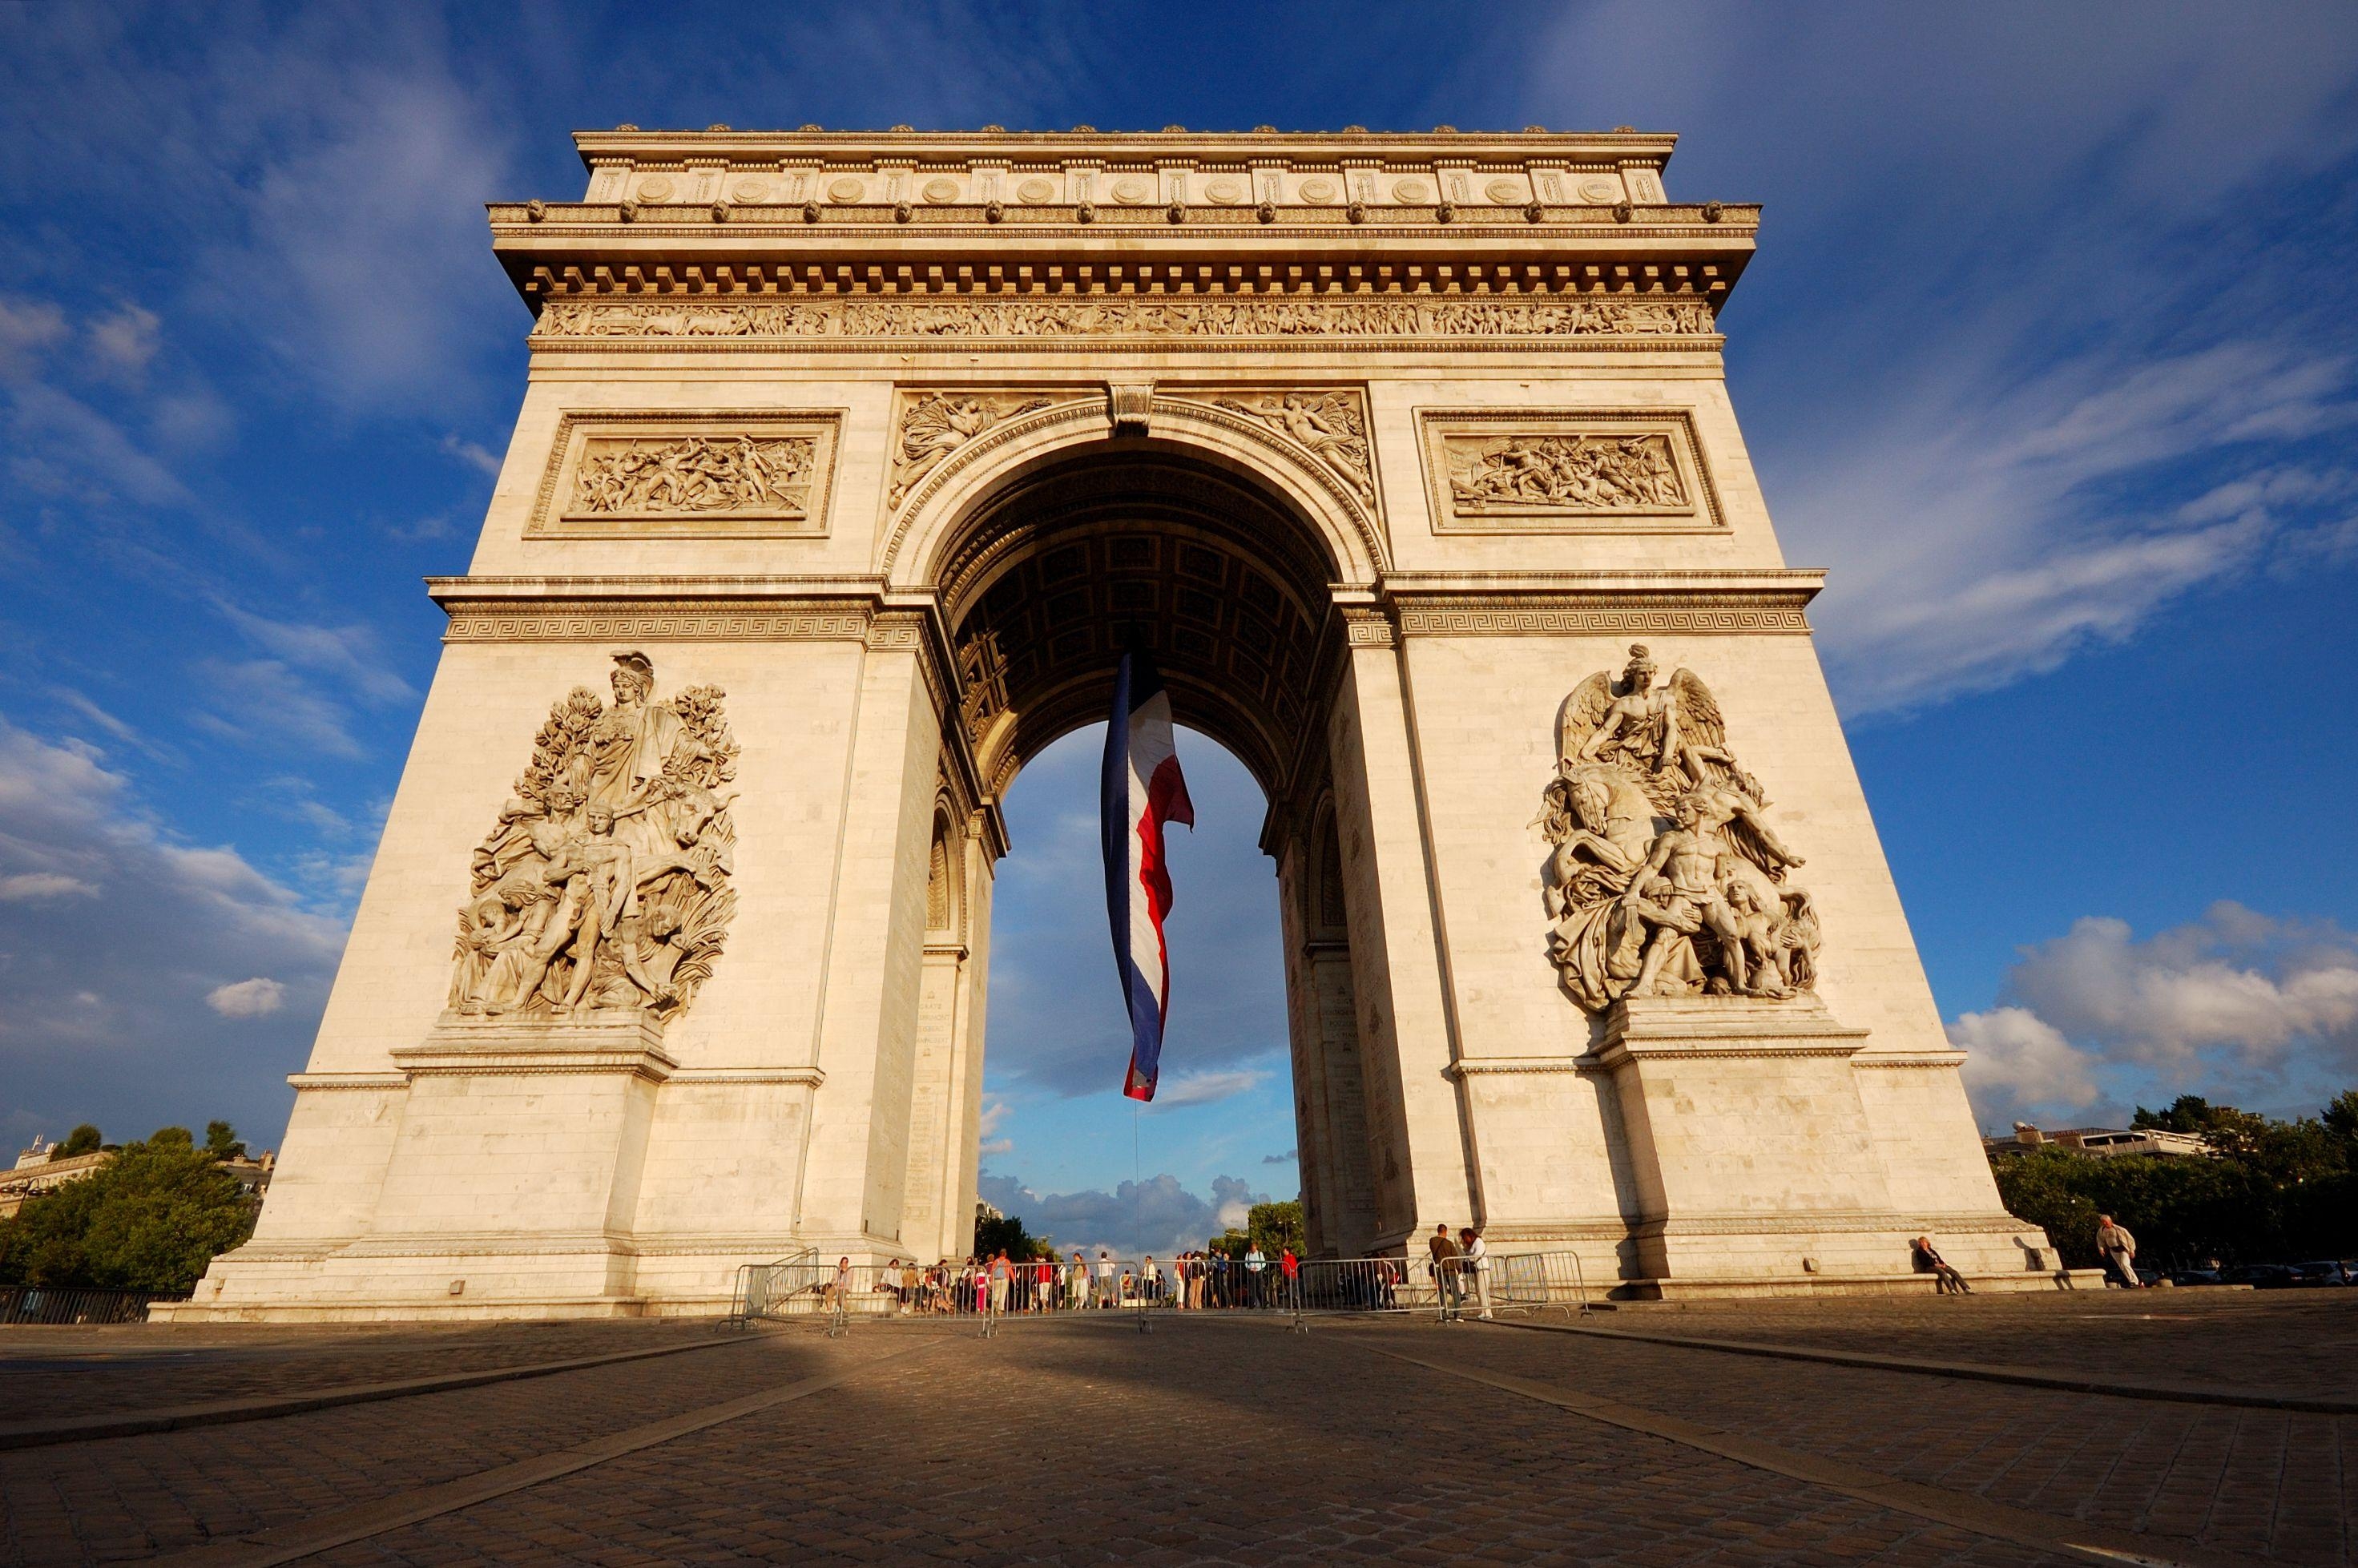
{"x": 37, "y": 1303}
{"x": 804, "y": 1287}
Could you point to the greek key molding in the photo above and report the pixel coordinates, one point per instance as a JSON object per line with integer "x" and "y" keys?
{"x": 1582, "y": 615}
{"x": 1368, "y": 629}
{"x": 717, "y": 621}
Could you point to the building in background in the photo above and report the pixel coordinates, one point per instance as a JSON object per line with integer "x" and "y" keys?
{"x": 38, "y": 1171}
{"x": 2103, "y": 1141}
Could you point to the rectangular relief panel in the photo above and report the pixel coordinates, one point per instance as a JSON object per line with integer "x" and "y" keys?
{"x": 684, "y": 474}
{"x": 1566, "y": 470}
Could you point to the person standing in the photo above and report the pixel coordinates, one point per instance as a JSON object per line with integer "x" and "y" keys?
{"x": 1077, "y": 1281}
{"x": 1289, "y": 1274}
{"x": 2118, "y": 1248}
{"x": 1477, "y": 1266}
{"x": 1107, "y": 1296}
{"x": 1256, "y": 1276}
{"x": 1445, "y": 1259}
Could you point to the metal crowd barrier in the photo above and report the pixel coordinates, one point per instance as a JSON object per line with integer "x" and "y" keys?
{"x": 40, "y": 1303}
{"x": 804, "y": 1286}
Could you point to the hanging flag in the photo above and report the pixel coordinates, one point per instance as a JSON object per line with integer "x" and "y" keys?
{"x": 1140, "y": 791}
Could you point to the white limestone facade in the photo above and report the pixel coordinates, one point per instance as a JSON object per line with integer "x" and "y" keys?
{"x": 863, "y": 451}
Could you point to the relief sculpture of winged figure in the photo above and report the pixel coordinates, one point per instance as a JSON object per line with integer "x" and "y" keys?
{"x": 1665, "y": 875}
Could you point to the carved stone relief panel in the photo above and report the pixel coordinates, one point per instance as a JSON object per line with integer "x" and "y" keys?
{"x": 689, "y": 474}
{"x": 1329, "y": 425}
{"x": 1664, "y": 876}
{"x": 1565, "y": 471}
{"x": 606, "y": 885}
{"x": 932, "y": 426}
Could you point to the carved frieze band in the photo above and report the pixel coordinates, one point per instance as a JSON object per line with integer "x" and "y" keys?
{"x": 1579, "y": 615}
{"x": 701, "y": 620}
{"x": 1568, "y": 471}
{"x": 689, "y": 474}
{"x": 715, "y": 319}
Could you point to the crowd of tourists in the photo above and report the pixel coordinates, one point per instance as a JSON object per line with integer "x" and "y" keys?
{"x": 1205, "y": 1281}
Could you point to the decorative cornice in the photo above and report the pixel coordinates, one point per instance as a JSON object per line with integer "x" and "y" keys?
{"x": 1694, "y": 615}
{"x": 1910, "y": 1059}
{"x": 1473, "y": 1066}
{"x": 318, "y": 1083}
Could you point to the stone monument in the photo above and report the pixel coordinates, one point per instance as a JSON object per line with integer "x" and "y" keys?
{"x": 847, "y": 464}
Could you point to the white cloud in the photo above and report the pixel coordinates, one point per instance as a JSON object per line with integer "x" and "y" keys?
{"x": 28, "y": 328}
{"x": 2235, "y": 989}
{"x": 103, "y": 1020}
{"x": 41, "y": 884}
{"x": 1157, "y": 1215}
{"x": 2018, "y": 1063}
{"x": 481, "y": 459}
{"x": 1203, "y": 1088}
{"x": 256, "y": 998}
{"x": 124, "y": 343}
{"x": 2238, "y": 1006}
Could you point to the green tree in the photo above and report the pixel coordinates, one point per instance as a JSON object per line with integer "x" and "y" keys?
{"x": 1273, "y": 1227}
{"x": 992, "y": 1234}
{"x": 83, "y": 1140}
{"x": 222, "y": 1142}
{"x": 151, "y": 1220}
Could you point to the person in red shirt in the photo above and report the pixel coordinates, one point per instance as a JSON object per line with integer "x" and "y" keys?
{"x": 1289, "y": 1273}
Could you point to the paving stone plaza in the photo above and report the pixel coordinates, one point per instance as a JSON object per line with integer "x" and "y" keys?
{"x": 1913, "y": 1430}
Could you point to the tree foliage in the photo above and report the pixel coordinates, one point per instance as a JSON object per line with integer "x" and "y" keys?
{"x": 992, "y": 1236}
{"x": 2275, "y": 1192}
{"x": 83, "y": 1140}
{"x": 150, "y": 1220}
{"x": 222, "y": 1142}
{"x": 1274, "y": 1226}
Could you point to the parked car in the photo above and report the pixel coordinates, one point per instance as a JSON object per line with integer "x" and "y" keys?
{"x": 2193, "y": 1277}
{"x": 2260, "y": 1276}
{"x": 2327, "y": 1271}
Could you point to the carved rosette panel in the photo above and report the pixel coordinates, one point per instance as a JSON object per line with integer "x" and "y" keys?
{"x": 988, "y": 316}
{"x": 1573, "y": 470}
{"x": 1664, "y": 876}
{"x": 689, "y": 474}
{"x": 934, "y": 425}
{"x": 1329, "y": 425}
{"x": 606, "y": 885}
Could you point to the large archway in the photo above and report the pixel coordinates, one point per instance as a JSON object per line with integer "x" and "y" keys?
{"x": 1070, "y": 557}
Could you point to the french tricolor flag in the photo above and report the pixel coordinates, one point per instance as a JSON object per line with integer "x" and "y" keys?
{"x": 1141, "y": 789}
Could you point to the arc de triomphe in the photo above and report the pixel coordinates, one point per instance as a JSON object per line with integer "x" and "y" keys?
{"x": 845, "y": 463}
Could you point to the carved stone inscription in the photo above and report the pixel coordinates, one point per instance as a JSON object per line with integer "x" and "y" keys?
{"x": 1665, "y": 878}
{"x": 1022, "y": 318}
{"x": 1522, "y": 470}
{"x": 605, "y": 886}
{"x": 747, "y": 473}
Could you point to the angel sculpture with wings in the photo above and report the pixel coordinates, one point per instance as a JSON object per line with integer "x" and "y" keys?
{"x": 1646, "y": 784}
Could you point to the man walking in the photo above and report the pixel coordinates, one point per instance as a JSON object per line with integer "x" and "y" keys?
{"x": 2118, "y": 1248}
{"x": 1448, "y": 1289}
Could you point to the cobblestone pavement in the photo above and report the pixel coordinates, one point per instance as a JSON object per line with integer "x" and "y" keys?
{"x": 1210, "y": 1442}
{"x": 2306, "y": 1340}
{"x": 2250, "y": 1484}
{"x": 46, "y": 1372}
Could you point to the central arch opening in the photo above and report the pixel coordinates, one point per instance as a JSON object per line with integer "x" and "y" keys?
{"x": 1153, "y": 544}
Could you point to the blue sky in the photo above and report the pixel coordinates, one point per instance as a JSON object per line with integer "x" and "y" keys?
{"x": 2046, "y": 354}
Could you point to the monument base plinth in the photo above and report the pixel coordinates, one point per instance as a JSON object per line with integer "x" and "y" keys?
{"x": 1753, "y": 1162}
{"x": 509, "y": 1191}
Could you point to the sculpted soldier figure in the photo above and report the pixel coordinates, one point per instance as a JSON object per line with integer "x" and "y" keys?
{"x": 1689, "y": 856}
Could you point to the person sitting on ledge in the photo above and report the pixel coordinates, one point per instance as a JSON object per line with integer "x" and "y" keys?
{"x": 1946, "y": 1281}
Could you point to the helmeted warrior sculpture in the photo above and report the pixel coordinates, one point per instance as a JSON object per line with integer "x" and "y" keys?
{"x": 1665, "y": 878}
